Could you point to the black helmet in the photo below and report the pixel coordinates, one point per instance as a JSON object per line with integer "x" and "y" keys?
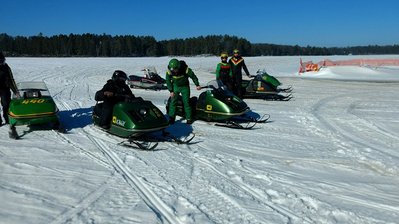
{"x": 2, "y": 58}
{"x": 119, "y": 75}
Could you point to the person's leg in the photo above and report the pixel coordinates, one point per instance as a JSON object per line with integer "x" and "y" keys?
{"x": 238, "y": 86}
{"x": 172, "y": 108}
{"x": 5, "y": 103}
{"x": 1, "y": 101}
{"x": 106, "y": 115}
{"x": 185, "y": 92}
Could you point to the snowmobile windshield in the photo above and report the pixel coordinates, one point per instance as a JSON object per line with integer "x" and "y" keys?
{"x": 261, "y": 72}
{"x": 217, "y": 85}
{"x": 32, "y": 89}
{"x": 150, "y": 71}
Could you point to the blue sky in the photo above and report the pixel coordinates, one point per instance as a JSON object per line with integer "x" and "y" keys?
{"x": 315, "y": 23}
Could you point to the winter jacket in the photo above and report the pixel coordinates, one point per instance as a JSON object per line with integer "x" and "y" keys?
{"x": 121, "y": 92}
{"x": 224, "y": 72}
{"x": 6, "y": 79}
{"x": 180, "y": 79}
{"x": 237, "y": 64}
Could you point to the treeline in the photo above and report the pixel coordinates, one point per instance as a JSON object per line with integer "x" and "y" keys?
{"x": 92, "y": 45}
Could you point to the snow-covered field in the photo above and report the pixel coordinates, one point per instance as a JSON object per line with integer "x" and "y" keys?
{"x": 330, "y": 155}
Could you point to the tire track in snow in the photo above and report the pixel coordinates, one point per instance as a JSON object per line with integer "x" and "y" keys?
{"x": 206, "y": 199}
{"x": 68, "y": 215}
{"x": 163, "y": 211}
{"x": 370, "y": 124}
{"x": 346, "y": 139}
{"x": 216, "y": 204}
{"x": 86, "y": 152}
{"x": 291, "y": 216}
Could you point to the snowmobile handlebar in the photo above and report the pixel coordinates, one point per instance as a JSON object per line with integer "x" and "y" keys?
{"x": 208, "y": 87}
{"x": 125, "y": 97}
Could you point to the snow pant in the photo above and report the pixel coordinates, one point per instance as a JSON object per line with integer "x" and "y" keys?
{"x": 106, "y": 113}
{"x": 237, "y": 86}
{"x": 185, "y": 93}
{"x": 5, "y": 97}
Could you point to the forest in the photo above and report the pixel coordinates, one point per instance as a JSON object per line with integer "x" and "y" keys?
{"x": 104, "y": 45}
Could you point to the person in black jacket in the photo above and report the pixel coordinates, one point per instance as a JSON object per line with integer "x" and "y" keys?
{"x": 7, "y": 83}
{"x": 237, "y": 64}
{"x": 114, "y": 91}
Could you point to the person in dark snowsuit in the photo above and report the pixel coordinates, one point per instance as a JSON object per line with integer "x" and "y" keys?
{"x": 237, "y": 64}
{"x": 114, "y": 91}
{"x": 7, "y": 84}
{"x": 224, "y": 72}
{"x": 177, "y": 82}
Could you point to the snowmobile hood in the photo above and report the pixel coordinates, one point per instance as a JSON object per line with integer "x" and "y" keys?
{"x": 136, "y": 117}
{"x": 32, "y": 107}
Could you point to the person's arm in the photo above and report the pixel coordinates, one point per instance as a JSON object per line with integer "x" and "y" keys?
{"x": 191, "y": 74}
{"x": 104, "y": 93}
{"x": 218, "y": 71}
{"x": 245, "y": 68}
{"x": 13, "y": 85}
{"x": 168, "y": 80}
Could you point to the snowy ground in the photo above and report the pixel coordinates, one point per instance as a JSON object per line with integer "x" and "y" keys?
{"x": 330, "y": 155}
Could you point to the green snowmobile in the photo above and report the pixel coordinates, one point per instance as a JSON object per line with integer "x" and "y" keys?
{"x": 35, "y": 107}
{"x": 136, "y": 119}
{"x": 265, "y": 86}
{"x": 133, "y": 118}
{"x": 219, "y": 105}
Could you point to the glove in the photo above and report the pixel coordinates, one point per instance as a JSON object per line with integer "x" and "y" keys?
{"x": 108, "y": 94}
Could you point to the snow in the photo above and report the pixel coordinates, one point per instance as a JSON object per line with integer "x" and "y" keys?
{"x": 330, "y": 155}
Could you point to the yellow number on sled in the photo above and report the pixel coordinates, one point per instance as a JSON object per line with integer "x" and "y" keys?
{"x": 33, "y": 101}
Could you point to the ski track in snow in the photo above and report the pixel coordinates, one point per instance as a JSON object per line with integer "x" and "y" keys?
{"x": 156, "y": 204}
{"x": 327, "y": 156}
{"x": 340, "y": 130}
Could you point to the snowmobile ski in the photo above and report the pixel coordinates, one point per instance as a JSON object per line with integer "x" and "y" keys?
{"x": 235, "y": 125}
{"x": 167, "y": 137}
{"x": 286, "y": 90}
{"x": 147, "y": 146}
{"x": 248, "y": 118}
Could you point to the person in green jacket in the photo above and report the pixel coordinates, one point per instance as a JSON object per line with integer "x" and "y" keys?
{"x": 224, "y": 72}
{"x": 177, "y": 82}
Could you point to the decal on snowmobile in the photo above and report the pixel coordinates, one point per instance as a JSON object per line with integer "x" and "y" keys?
{"x": 208, "y": 107}
{"x": 118, "y": 122}
{"x": 33, "y": 101}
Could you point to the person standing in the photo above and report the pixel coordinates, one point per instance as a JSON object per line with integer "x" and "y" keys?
{"x": 7, "y": 84}
{"x": 177, "y": 82}
{"x": 224, "y": 72}
{"x": 237, "y": 64}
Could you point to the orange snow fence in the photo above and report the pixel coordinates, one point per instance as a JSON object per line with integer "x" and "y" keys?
{"x": 310, "y": 66}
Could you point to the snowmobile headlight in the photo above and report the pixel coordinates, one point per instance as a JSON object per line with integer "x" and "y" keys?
{"x": 143, "y": 111}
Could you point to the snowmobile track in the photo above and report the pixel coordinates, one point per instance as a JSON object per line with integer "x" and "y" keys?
{"x": 83, "y": 204}
{"x": 291, "y": 216}
{"x": 340, "y": 132}
{"x": 150, "y": 198}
